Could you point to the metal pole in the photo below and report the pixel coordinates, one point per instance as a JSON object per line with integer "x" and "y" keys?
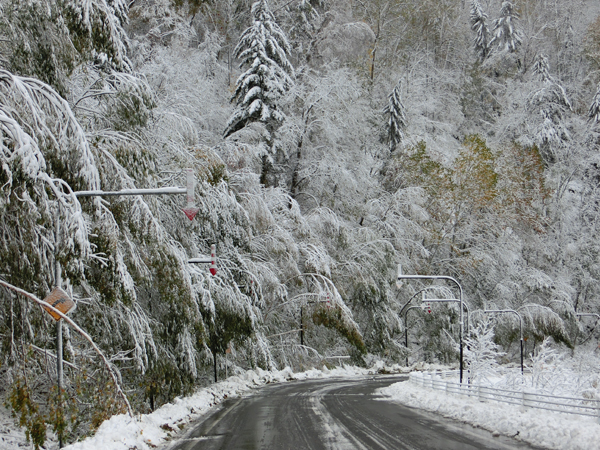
{"x": 215, "y": 364}
{"x": 521, "y": 356}
{"x": 157, "y": 191}
{"x": 443, "y": 277}
{"x": 406, "y": 330}
{"x": 59, "y": 346}
{"x": 301, "y": 328}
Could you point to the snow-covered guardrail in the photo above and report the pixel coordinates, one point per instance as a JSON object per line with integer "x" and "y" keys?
{"x": 525, "y": 398}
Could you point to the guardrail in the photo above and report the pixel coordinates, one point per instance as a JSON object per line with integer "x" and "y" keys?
{"x": 525, "y": 398}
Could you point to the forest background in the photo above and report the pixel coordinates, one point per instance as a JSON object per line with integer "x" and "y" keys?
{"x": 331, "y": 140}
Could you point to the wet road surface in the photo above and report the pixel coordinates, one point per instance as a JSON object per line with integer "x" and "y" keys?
{"x": 330, "y": 414}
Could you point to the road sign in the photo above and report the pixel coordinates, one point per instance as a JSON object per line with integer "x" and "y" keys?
{"x": 190, "y": 209}
{"x": 60, "y": 300}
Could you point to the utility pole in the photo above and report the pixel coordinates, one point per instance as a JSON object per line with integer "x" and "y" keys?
{"x": 59, "y": 343}
{"x": 401, "y": 277}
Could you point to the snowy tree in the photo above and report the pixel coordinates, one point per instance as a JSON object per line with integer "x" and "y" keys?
{"x": 541, "y": 68}
{"x": 48, "y": 39}
{"x": 480, "y": 27}
{"x": 551, "y": 105}
{"x": 594, "y": 111}
{"x": 263, "y": 48}
{"x": 397, "y": 123}
{"x": 481, "y": 352}
{"x": 506, "y": 36}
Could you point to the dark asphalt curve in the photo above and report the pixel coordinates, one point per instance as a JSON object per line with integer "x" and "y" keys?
{"x": 330, "y": 414}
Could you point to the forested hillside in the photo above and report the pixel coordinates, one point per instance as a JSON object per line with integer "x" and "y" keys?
{"x": 331, "y": 140}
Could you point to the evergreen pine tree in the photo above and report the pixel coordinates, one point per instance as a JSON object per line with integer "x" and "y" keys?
{"x": 594, "y": 112}
{"x": 480, "y": 27}
{"x": 506, "y": 36}
{"x": 549, "y": 105}
{"x": 263, "y": 48}
{"x": 397, "y": 122}
{"x": 542, "y": 68}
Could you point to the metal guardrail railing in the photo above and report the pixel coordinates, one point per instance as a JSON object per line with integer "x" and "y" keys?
{"x": 525, "y": 398}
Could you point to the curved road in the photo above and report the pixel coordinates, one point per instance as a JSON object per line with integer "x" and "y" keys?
{"x": 330, "y": 414}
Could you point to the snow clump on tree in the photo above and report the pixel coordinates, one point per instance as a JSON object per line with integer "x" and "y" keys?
{"x": 594, "y": 112}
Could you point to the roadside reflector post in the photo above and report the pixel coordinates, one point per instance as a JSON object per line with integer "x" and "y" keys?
{"x": 190, "y": 209}
{"x": 213, "y": 260}
{"x": 206, "y": 260}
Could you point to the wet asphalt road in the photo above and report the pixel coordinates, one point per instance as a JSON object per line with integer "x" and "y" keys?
{"x": 330, "y": 414}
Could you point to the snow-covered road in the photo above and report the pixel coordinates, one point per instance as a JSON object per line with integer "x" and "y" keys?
{"x": 330, "y": 414}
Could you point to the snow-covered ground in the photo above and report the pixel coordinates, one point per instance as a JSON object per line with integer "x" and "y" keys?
{"x": 144, "y": 432}
{"x": 535, "y": 426}
{"x": 149, "y": 430}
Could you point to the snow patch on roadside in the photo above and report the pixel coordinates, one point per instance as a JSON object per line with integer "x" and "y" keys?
{"x": 537, "y": 427}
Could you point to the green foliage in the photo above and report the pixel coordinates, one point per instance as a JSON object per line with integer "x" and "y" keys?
{"x": 226, "y": 327}
{"x": 130, "y": 108}
{"x": 164, "y": 381}
{"x": 478, "y": 102}
{"x": 48, "y": 39}
{"x": 333, "y": 318}
{"x": 28, "y": 413}
{"x": 415, "y": 168}
{"x": 193, "y": 6}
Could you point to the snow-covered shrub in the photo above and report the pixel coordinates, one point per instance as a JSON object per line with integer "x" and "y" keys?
{"x": 481, "y": 353}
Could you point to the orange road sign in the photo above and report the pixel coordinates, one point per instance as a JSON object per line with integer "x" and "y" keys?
{"x": 61, "y": 301}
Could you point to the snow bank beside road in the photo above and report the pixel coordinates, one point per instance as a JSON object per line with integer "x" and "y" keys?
{"x": 534, "y": 426}
{"x": 150, "y": 430}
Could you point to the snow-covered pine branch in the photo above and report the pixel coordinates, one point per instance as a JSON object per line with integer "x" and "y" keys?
{"x": 397, "y": 122}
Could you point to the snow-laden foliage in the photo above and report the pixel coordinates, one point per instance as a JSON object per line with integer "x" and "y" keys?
{"x": 541, "y": 68}
{"x": 496, "y": 184}
{"x": 594, "y": 110}
{"x": 481, "y": 41}
{"x": 263, "y": 49}
{"x": 396, "y": 124}
{"x": 45, "y": 154}
{"x": 49, "y": 39}
{"x": 506, "y": 36}
{"x": 481, "y": 352}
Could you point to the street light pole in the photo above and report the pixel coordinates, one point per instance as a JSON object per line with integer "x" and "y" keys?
{"x": 301, "y": 328}
{"x": 59, "y": 343}
{"x": 597, "y": 316}
{"x": 501, "y": 311}
{"x": 447, "y": 278}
